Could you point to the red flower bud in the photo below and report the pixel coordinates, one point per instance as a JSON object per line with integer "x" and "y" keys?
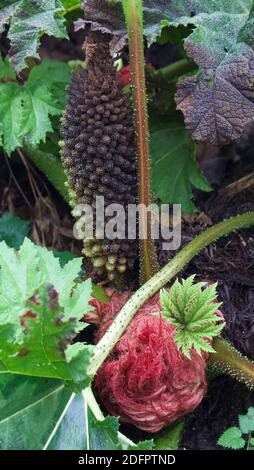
{"x": 104, "y": 313}
{"x": 125, "y": 74}
{"x": 147, "y": 381}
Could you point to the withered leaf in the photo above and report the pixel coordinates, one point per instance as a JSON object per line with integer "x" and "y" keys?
{"x": 219, "y": 104}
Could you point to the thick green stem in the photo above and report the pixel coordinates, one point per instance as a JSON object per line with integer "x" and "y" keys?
{"x": 114, "y": 333}
{"x": 173, "y": 71}
{"x": 134, "y": 19}
{"x": 91, "y": 402}
{"x": 69, "y": 9}
{"x": 229, "y": 361}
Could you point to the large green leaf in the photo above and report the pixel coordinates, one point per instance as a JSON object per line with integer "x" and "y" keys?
{"x": 26, "y": 110}
{"x": 219, "y": 103}
{"x": 142, "y": 445}
{"x": 13, "y": 230}
{"x": 64, "y": 257}
{"x": 174, "y": 167}
{"x": 55, "y": 75}
{"x": 38, "y": 105}
{"x": 80, "y": 430}
{"x": 41, "y": 350}
{"x": 215, "y": 21}
{"x": 11, "y": 115}
{"x": 30, "y": 409}
{"x": 247, "y": 32}
{"x": 70, "y": 5}
{"x": 28, "y": 20}
{"x": 40, "y": 308}
{"x": 48, "y": 407}
{"x": 59, "y": 419}
{"x": 209, "y": 16}
{"x": 70, "y": 433}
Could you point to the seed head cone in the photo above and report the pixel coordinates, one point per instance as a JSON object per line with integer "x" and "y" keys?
{"x": 99, "y": 149}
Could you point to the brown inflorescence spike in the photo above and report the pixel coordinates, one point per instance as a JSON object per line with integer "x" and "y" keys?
{"x": 99, "y": 149}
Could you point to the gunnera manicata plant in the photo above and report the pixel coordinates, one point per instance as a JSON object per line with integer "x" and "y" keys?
{"x": 147, "y": 381}
{"x": 99, "y": 149}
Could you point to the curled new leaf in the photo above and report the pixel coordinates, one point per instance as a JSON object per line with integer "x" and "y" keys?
{"x": 192, "y": 309}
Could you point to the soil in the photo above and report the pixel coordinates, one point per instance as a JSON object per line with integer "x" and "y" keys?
{"x": 26, "y": 193}
{"x": 230, "y": 262}
{"x": 226, "y": 399}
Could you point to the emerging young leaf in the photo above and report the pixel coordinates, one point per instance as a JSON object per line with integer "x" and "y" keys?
{"x": 191, "y": 308}
{"x": 40, "y": 308}
{"x": 172, "y": 148}
{"x": 32, "y": 403}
